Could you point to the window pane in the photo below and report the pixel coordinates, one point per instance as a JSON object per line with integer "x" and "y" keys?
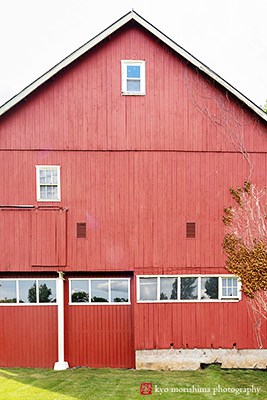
{"x": 54, "y": 176}
{"x": 48, "y": 176}
{"x": 99, "y": 290}
{"x": 80, "y": 291}
{"x": 148, "y": 288}
{"x": 189, "y": 288}
{"x": 42, "y": 177}
{"x": 43, "y": 193}
{"x": 27, "y": 291}
{"x": 54, "y": 194}
{"x": 229, "y": 287}
{"x": 119, "y": 291}
{"x": 8, "y": 292}
{"x": 49, "y": 192}
{"x": 209, "y": 288}
{"x": 133, "y": 71}
{"x": 47, "y": 291}
{"x": 133, "y": 86}
{"x": 168, "y": 288}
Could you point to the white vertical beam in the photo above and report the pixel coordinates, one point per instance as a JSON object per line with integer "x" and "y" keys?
{"x": 61, "y": 364}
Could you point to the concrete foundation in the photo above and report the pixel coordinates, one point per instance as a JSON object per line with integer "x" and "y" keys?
{"x": 191, "y": 359}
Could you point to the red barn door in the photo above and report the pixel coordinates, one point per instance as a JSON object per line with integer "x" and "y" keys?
{"x": 99, "y": 335}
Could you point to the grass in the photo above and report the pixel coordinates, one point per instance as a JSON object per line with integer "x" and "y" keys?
{"x": 86, "y": 383}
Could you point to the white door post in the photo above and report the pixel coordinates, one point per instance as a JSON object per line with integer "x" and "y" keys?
{"x": 60, "y": 364}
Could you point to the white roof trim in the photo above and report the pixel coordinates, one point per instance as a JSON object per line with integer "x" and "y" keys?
{"x": 132, "y": 15}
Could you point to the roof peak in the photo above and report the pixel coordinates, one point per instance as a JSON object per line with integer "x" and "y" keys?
{"x": 131, "y": 15}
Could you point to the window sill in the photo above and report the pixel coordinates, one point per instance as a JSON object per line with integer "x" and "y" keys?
{"x": 133, "y": 94}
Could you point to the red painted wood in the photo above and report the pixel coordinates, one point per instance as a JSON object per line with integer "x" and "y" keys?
{"x": 195, "y": 325}
{"x": 99, "y": 336}
{"x": 28, "y": 336}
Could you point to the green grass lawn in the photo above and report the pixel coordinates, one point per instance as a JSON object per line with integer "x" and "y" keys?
{"x": 87, "y": 384}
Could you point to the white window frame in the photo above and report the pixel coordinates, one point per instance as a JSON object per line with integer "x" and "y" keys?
{"x": 37, "y": 292}
{"x": 92, "y": 303}
{"x": 141, "y": 64}
{"x": 38, "y": 183}
{"x": 198, "y": 300}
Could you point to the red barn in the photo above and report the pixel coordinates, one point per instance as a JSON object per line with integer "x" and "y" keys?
{"x": 115, "y": 170}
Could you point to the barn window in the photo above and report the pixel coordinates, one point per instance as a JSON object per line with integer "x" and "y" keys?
{"x": 27, "y": 291}
{"x": 100, "y": 291}
{"x": 209, "y": 287}
{"x": 148, "y": 288}
{"x": 168, "y": 288}
{"x": 8, "y": 291}
{"x": 80, "y": 291}
{"x": 229, "y": 287}
{"x": 133, "y": 77}
{"x": 48, "y": 182}
{"x": 187, "y": 288}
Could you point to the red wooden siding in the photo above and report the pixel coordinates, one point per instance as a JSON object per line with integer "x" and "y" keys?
{"x": 51, "y": 225}
{"x": 135, "y": 205}
{"x": 28, "y": 336}
{"x": 15, "y": 233}
{"x": 32, "y": 237}
{"x": 196, "y": 325}
{"x": 99, "y": 336}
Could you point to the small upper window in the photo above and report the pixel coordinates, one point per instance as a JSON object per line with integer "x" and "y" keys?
{"x": 133, "y": 77}
{"x": 48, "y": 182}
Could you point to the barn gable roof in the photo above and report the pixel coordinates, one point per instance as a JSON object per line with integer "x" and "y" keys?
{"x": 132, "y": 15}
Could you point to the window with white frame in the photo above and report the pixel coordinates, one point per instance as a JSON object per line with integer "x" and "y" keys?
{"x": 229, "y": 287}
{"x": 133, "y": 77}
{"x": 27, "y": 291}
{"x": 100, "y": 291}
{"x": 187, "y": 288}
{"x": 48, "y": 182}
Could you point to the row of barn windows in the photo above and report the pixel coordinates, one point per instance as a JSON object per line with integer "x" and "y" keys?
{"x": 184, "y": 288}
{"x": 117, "y": 290}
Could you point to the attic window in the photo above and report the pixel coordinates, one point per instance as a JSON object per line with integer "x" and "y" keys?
{"x": 133, "y": 77}
{"x": 190, "y": 230}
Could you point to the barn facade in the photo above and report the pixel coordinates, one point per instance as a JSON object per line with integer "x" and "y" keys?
{"x": 115, "y": 170}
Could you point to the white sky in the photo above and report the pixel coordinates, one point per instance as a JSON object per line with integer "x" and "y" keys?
{"x": 228, "y": 36}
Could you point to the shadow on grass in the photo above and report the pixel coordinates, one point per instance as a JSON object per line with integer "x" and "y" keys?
{"x": 87, "y": 383}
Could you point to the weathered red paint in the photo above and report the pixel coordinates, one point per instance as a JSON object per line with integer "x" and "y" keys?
{"x": 135, "y": 169}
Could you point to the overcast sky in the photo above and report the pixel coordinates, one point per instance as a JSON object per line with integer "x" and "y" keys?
{"x": 228, "y": 36}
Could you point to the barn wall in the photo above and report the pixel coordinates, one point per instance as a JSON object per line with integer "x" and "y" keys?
{"x": 135, "y": 206}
